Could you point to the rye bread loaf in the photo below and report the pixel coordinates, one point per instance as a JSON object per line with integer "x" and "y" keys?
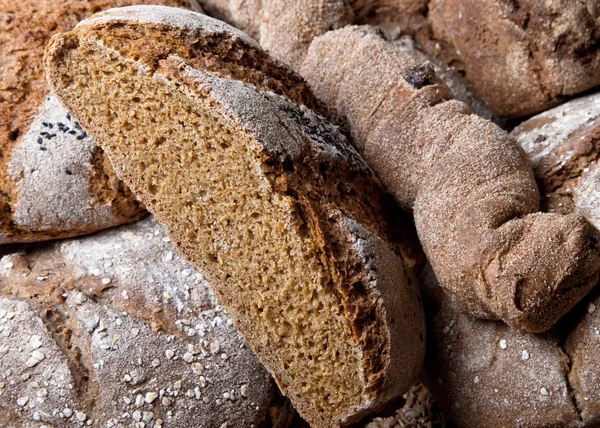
{"x": 54, "y": 181}
{"x": 521, "y": 56}
{"x": 477, "y": 367}
{"x": 470, "y": 185}
{"x": 484, "y": 374}
{"x": 290, "y": 225}
{"x": 117, "y": 330}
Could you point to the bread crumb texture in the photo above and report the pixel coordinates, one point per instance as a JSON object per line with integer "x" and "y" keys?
{"x": 290, "y": 225}
{"x": 116, "y": 329}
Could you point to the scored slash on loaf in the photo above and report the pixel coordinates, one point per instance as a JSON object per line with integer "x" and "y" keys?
{"x": 290, "y": 225}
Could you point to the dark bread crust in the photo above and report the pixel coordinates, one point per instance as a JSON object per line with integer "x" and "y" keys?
{"x": 470, "y": 185}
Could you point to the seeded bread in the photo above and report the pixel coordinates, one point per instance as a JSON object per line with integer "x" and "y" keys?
{"x": 290, "y": 225}
{"x": 54, "y": 181}
{"x": 521, "y": 56}
{"x": 471, "y": 187}
{"x": 115, "y": 329}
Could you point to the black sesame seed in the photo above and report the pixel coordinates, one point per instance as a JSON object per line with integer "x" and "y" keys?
{"x": 43, "y": 148}
{"x": 84, "y": 134}
{"x": 68, "y": 116}
{"x": 77, "y": 125}
{"x": 45, "y": 124}
{"x": 44, "y": 134}
{"x": 40, "y": 140}
{"x": 81, "y": 137}
{"x": 66, "y": 129}
{"x": 52, "y": 135}
{"x": 61, "y": 125}
{"x": 51, "y": 125}
{"x": 72, "y": 132}
{"x": 68, "y": 172}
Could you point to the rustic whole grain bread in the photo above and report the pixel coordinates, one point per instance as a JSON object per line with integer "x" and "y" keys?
{"x": 518, "y": 379}
{"x": 54, "y": 181}
{"x": 470, "y": 185}
{"x": 521, "y": 56}
{"x": 290, "y": 225}
{"x": 484, "y": 374}
{"x": 116, "y": 330}
{"x": 285, "y": 27}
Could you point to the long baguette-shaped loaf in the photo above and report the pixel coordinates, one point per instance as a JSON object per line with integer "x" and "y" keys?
{"x": 265, "y": 196}
{"x": 471, "y": 187}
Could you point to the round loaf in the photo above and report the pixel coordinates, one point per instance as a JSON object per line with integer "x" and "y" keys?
{"x": 290, "y": 225}
{"x": 54, "y": 181}
{"x": 116, "y": 329}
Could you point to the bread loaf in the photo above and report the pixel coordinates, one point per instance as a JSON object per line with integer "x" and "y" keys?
{"x": 290, "y": 225}
{"x": 471, "y": 187}
{"x": 521, "y": 56}
{"x": 515, "y": 379}
{"x": 285, "y": 28}
{"x": 54, "y": 181}
{"x": 484, "y": 374}
{"x": 116, "y": 330}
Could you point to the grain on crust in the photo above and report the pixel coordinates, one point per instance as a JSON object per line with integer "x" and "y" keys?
{"x": 39, "y": 200}
{"x": 468, "y": 182}
{"x": 116, "y": 329}
{"x": 295, "y": 237}
{"x": 477, "y": 367}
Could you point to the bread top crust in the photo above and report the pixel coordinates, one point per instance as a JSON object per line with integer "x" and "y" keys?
{"x": 193, "y": 23}
{"x": 535, "y": 53}
{"x": 564, "y": 146}
{"x": 120, "y": 317}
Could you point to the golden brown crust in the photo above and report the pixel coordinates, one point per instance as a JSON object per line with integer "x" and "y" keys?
{"x": 471, "y": 187}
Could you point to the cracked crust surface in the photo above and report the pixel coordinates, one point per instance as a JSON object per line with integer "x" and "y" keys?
{"x": 47, "y": 189}
{"x": 563, "y": 145}
{"x": 536, "y": 54}
{"x": 115, "y": 329}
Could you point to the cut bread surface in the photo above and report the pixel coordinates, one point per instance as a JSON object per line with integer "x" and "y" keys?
{"x": 271, "y": 202}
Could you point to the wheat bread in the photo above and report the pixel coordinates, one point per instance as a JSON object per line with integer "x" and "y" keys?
{"x": 290, "y": 225}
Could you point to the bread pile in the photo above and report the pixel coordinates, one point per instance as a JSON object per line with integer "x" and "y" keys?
{"x": 299, "y": 169}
